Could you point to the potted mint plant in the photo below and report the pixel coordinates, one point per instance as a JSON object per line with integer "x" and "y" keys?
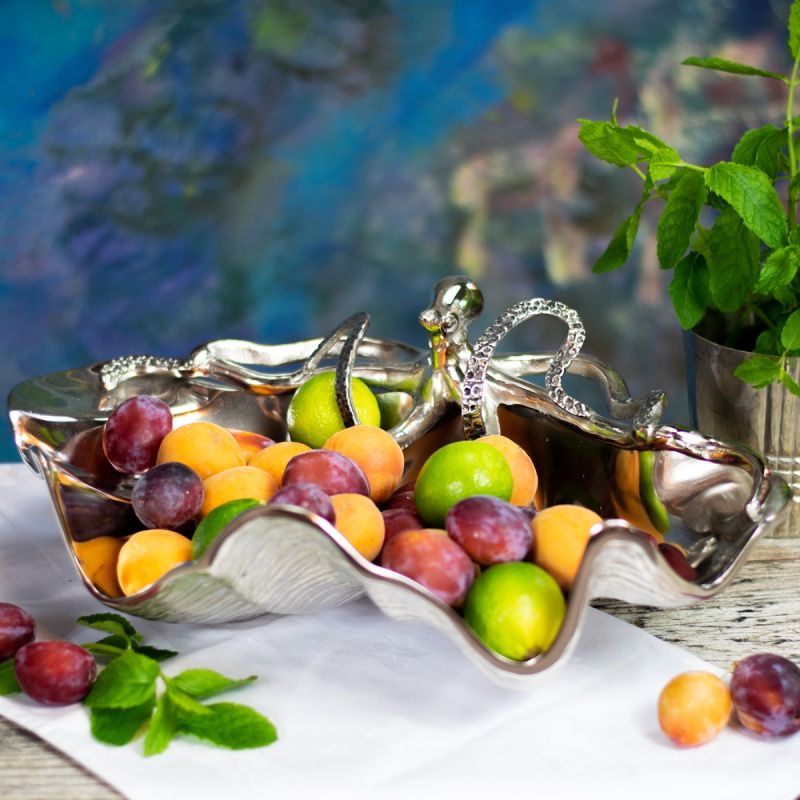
{"x": 730, "y": 234}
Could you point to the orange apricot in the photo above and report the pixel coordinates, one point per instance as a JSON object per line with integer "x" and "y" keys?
{"x": 376, "y": 452}
{"x": 98, "y": 560}
{"x": 204, "y": 446}
{"x": 275, "y": 458}
{"x": 523, "y": 473}
{"x": 560, "y": 536}
{"x": 237, "y": 483}
{"x": 250, "y": 443}
{"x": 360, "y": 521}
{"x": 693, "y": 708}
{"x": 149, "y": 554}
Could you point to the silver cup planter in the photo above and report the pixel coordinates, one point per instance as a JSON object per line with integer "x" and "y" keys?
{"x": 765, "y": 420}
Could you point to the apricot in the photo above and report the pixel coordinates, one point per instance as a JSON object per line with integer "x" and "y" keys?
{"x": 204, "y": 446}
{"x": 275, "y": 458}
{"x": 560, "y": 536}
{"x": 149, "y": 554}
{"x": 693, "y": 708}
{"x": 523, "y": 473}
{"x": 237, "y": 483}
{"x": 250, "y": 443}
{"x": 376, "y": 452}
{"x": 360, "y": 521}
{"x": 98, "y": 560}
{"x": 629, "y": 502}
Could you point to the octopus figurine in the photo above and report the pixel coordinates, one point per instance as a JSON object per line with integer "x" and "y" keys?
{"x": 417, "y": 386}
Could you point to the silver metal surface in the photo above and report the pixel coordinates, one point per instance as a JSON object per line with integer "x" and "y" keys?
{"x": 765, "y": 420}
{"x": 713, "y": 499}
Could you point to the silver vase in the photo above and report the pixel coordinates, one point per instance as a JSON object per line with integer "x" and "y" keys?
{"x": 765, "y": 420}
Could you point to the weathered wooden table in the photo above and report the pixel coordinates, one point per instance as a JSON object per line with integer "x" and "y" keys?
{"x": 759, "y": 612}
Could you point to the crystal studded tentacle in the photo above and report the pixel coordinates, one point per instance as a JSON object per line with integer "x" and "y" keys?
{"x": 118, "y": 370}
{"x": 472, "y": 391}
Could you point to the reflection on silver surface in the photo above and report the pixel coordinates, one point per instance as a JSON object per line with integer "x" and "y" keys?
{"x": 712, "y": 499}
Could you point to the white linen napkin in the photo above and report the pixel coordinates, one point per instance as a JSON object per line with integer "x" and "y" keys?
{"x": 369, "y": 707}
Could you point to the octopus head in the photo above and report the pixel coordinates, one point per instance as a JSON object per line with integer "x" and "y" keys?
{"x": 456, "y": 303}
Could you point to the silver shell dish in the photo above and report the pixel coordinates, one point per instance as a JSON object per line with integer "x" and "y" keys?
{"x": 718, "y": 499}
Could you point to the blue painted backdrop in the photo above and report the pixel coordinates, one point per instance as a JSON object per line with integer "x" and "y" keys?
{"x": 183, "y": 170}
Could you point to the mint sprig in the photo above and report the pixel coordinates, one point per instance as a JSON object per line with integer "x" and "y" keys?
{"x": 723, "y": 228}
{"x": 125, "y": 698}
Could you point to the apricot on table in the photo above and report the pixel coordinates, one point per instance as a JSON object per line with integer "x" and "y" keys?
{"x": 237, "y": 483}
{"x": 274, "y": 459}
{"x": 694, "y": 707}
{"x": 204, "y": 446}
{"x": 523, "y": 473}
{"x": 560, "y": 536}
{"x": 360, "y": 521}
{"x": 149, "y": 554}
{"x": 376, "y": 452}
{"x": 98, "y": 560}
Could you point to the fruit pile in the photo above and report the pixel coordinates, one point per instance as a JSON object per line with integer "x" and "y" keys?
{"x": 764, "y": 691}
{"x": 467, "y": 529}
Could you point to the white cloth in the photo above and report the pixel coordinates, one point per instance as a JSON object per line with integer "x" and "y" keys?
{"x": 369, "y": 707}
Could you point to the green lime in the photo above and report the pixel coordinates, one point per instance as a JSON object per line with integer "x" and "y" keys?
{"x": 515, "y": 608}
{"x": 647, "y": 491}
{"x": 456, "y": 471}
{"x": 215, "y": 521}
{"x": 313, "y": 416}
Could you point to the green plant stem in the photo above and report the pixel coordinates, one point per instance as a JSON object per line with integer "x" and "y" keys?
{"x": 792, "y": 194}
{"x": 766, "y": 320}
{"x": 658, "y": 190}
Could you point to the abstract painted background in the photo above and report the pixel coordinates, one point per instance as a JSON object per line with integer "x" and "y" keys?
{"x": 175, "y": 171}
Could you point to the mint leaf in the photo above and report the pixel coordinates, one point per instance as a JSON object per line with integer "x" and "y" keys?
{"x": 733, "y": 67}
{"x": 767, "y": 343}
{"x": 679, "y": 218}
{"x": 778, "y": 269}
{"x": 618, "y": 250}
{"x": 108, "y": 648}
{"x": 127, "y": 681}
{"x": 204, "y": 683}
{"x": 700, "y": 241}
{"x": 8, "y": 678}
{"x": 786, "y": 295}
{"x": 183, "y": 705}
{"x": 761, "y": 148}
{"x": 759, "y": 371}
{"x": 161, "y": 729}
{"x": 118, "y": 726}
{"x": 751, "y": 193}
{"x": 794, "y": 29}
{"x": 648, "y": 142}
{"x": 734, "y": 262}
{"x": 664, "y": 163}
{"x": 156, "y": 653}
{"x": 231, "y": 725}
{"x": 790, "y": 383}
{"x": 610, "y": 143}
{"x": 110, "y": 623}
{"x": 689, "y": 290}
{"x": 790, "y": 332}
